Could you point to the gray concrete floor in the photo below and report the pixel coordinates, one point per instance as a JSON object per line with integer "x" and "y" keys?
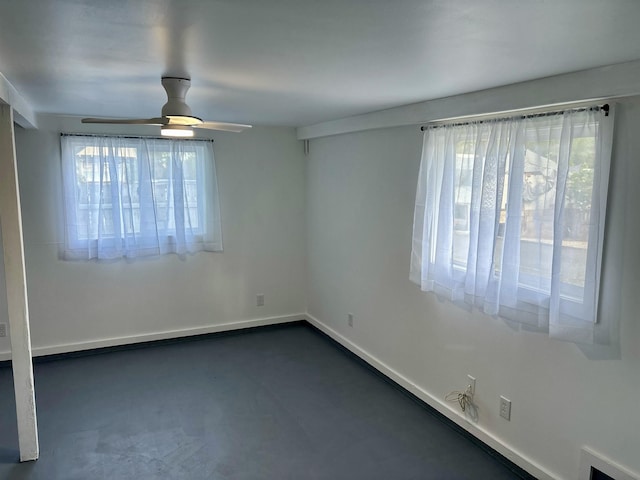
{"x": 280, "y": 403}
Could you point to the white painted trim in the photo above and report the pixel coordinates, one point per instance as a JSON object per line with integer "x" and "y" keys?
{"x": 477, "y": 431}
{"x": 16, "y": 285}
{"x": 620, "y": 80}
{"x": 23, "y": 113}
{"x": 590, "y": 458}
{"x": 148, "y": 337}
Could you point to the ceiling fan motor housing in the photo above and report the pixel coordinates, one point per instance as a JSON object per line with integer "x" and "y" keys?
{"x": 176, "y": 89}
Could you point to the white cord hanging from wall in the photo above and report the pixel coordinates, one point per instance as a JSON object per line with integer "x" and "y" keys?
{"x": 465, "y": 401}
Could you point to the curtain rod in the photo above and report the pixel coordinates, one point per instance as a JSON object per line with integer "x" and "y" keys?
{"x": 135, "y": 137}
{"x": 436, "y": 124}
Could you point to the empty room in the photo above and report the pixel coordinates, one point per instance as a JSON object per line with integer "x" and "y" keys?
{"x": 298, "y": 239}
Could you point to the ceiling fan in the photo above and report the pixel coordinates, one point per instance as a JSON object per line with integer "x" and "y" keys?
{"x": 177, "y": 119}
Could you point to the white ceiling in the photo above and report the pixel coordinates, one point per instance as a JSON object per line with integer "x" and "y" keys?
{"x": 297, "y": 62}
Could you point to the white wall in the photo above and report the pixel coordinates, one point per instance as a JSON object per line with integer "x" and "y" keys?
{"x": 80, "y": 304}
{"x": 360, "y": 194}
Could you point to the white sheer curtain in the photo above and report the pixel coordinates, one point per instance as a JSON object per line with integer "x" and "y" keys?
{"x": 131, "y": 197}
{"x": 509, "y": 217}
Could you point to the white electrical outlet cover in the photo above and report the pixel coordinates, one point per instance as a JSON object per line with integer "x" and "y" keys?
{"x": 505, "y": 408}
{"x": 471, "y": 381}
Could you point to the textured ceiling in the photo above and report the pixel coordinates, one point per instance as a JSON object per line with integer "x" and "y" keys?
{"x": 297, "y": 62}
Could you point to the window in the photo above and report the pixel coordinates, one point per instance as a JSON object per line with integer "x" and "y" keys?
{"x": 509, "y": 217}
{"x": 129, "y": 197}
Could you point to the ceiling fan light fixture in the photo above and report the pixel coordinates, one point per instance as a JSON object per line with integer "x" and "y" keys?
{"x": 176, "y": 131}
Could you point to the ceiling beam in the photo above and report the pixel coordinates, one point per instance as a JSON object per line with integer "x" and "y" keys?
{"x": 23, "y": 114}
{"x": 620, "y": 80}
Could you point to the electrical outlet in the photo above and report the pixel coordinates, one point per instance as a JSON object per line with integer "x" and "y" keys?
{"x": 471, "y": 381}
{"x": 350, "y": 319}
{"x": 260, "y": 300}
{"x": 3, "y": 329}
{"x": 505, "y": 408}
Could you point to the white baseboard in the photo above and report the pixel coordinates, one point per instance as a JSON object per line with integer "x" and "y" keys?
{"x": 477, "y": 431}
{"x": 147, "y": 337}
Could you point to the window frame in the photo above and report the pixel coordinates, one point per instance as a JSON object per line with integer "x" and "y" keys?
{"x": 86, "y": 244}
{"x": 573, "y": 304}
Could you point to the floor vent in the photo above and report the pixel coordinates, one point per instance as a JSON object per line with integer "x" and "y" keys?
{"x": 598, "y": 475}
{"x": 594, "y": 466}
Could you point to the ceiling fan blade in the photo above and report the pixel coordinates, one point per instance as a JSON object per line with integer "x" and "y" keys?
{"x": 128, "y": 121}
{"x": 222, "y": 126}
{"x": 187, "y": 120}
